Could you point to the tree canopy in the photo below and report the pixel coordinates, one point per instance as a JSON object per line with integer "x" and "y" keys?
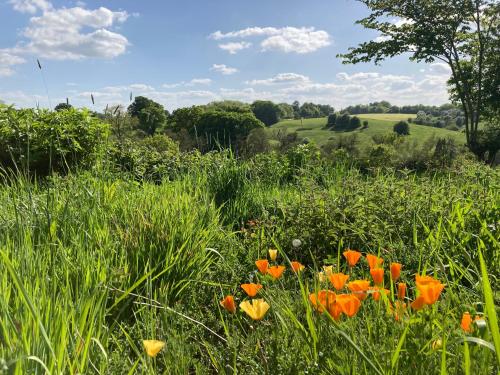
{"x": 151, "y": 115}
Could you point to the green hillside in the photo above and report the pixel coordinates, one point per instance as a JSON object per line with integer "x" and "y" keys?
{"x": 378, "y": 123}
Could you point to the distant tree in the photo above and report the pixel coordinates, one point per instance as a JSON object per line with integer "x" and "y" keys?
{"x": 325, "y": 109}
{"x": 219, "y": 129}
{"x": 309, "y": 110}
{"x": 466, "y": 38}
{"x": 230, "y": 106}
{"x": 286, "y": 111}
{"x": 150, "y": 115}
{"x": 354, "y": 122}
{"x": 343, "y": 121}
{"x": 402, "y": 128}
{"x": 296, "y": 109}
{"x": 62, "y": 107}
{"x": 185, "y": 118}
{"x": 365, "y": 124}
{"x": 332, "y": 119}
{"x": 266, "y": 111}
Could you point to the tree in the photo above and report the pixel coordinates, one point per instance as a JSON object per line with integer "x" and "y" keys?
{"x": 266, "y": 111}
{"x": 309, "y": 110}
{"x": 343, "y": 121}
{"x": 354, "y": 122}
{"x": 296, "y": 109}
{"x": 219, "y": 129}
{"x": 402, "y": 128}
{"x": 62, "y": 107}
{"x": 286, "y": 111}
{"x": 332, "y": 119}
{"x": 151, "y": 115}
{"x": 463, "y": 34}
{"x": 230, "y": 106}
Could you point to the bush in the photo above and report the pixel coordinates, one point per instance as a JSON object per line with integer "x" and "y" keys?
{"x": 347, "y": 143}
{"x": 354, "y": 122}
{"x": 42, "y": 141}
{"x": 365, "y": 124}
{"x": 332, "y": 119}
{"x": 402, "y": 128}
{"x": 266, "y": 111}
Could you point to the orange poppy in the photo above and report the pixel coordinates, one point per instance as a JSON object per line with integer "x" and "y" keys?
{"x": 377, "y": 275}
{"x": 349, "y": 304}
{"x": 418, "y": 304}
{"x": 276, "y": 271}
{"x": 374, "y": 261}
{"x": 359, "y": 288}
{"x": 430, "y": 292}
{"x": 228, "y": 304}
{"x": 425, "y": 280}
{"x": 338, "y": 280}
{"x": 466, "y": 322}
{"x": 395, "y": 271}
{"x": 376, "y": 292}
{"x": 297, "y": 266}
{"x": 335, "y": 310}
{"x": 322, "y": 300}
{"x": 262, "y": 265}
{"x": 352, "y": 257}
{"x": 401, "y": 291}
{"x": 251, "y": 289}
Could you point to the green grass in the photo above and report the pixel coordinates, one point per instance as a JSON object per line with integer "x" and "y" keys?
{"x": 91, "y": 264}
{"x": 378, "y": 124}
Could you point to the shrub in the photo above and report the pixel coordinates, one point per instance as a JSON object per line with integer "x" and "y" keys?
{"x": 365, "y": 124}
{"x": 332, "y": 119}
{"x": 342, "y": 122}
{"x": 354, "y": 122}
{"x": 402, "y": 128}
{"x": 42, "y": 141}
{"x": 347, "y": 143}
{"x": 445, "y": 152}
{"x": 266, "y": 111}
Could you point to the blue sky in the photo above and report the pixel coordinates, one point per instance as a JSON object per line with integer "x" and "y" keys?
{"x": 192, "y": 52}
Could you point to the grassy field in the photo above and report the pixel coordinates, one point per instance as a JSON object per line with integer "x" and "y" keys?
{"x": 380, "y": 124}
{"x": 93, "y": 264}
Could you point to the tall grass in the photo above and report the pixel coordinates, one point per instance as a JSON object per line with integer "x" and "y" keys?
{"x": 90, "y": 265}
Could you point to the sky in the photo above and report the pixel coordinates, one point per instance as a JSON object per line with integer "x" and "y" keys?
{"x": 183, "y": 53}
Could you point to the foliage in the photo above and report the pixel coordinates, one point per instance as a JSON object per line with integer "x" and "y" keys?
{"x": 218, "y": 129}
{"x": 402, "y": 128}
{"x": 41, "y": 141}
{"x": 62, "y": 107}
{"x": 266, "y": 111}
{"x": 151, "y": 115}
{"x": 332, "y": 119}
{"x": 229, "y": 106}
{"x": 466, "y": 39}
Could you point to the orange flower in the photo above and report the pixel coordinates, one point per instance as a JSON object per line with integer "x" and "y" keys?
{"x": 418, "y": 304}
{"x": 352, "y": 257}
{"x": 276, "y": 271}
{"x": 359, "y": 288}
{"x": 425, "y": 280}
{"x": 377, "y": 275}
{"x": 401, "y": 290}
{"x": 374, "y": 261}
{"x": 251, "y": 289}
{"x": 349, "y": 304}
{"x": 338, "y": 280}
{"x": 395, "y": 271}
{"x": 466, "y": 322}
{"x": 228, "y": 304}
{"x": 335, "y": 310}
{"x": 297, "y": 266}
{"x": 430, "y": 292}
{"x": 322, "y": 300}
{"x": 262, "y": 265}
{"x": 376, "y": 292}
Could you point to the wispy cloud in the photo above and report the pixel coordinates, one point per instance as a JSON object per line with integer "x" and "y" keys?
{"x": 223, "y": 69}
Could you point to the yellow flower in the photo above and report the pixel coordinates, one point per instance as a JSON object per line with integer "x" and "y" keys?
{"x": 153, "y": 347}
{"x": 273, "y": 253}
{"x": 256, "y": 309}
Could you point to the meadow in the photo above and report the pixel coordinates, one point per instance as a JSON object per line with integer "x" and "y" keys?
{"x": 378, "y": 124}
{"x": 95, "y": 262}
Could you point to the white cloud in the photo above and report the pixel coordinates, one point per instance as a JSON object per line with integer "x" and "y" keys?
{"x": 7, "y": 61}
{"x": 286, "y": 39}
{"x": 193, "y": 82}
{"x": 282, "y": 78}
{"x": 440, "y": 68}
{"x": 30, "y": 6}
{"x": 223, "y": 69}
{"x": 234, "y": 47}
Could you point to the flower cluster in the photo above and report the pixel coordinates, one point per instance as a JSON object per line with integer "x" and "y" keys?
{"x": 257, "y": 308}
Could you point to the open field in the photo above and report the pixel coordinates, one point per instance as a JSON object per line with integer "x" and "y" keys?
{"x": 380, "y": 124}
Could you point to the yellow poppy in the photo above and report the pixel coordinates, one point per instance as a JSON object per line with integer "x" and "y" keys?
{"x": 255, "y": 309}
{"x": 273, "y": 254}
{"x": 153, "y": 347}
